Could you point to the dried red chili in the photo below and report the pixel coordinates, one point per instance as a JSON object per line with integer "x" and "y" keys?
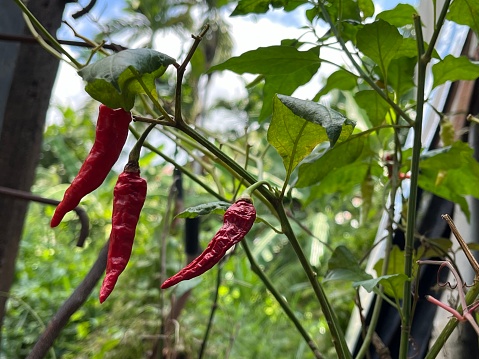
{"x": 237, "y": 222}
{"x": 128, "y": 199}
{"x": 111, "y": 134}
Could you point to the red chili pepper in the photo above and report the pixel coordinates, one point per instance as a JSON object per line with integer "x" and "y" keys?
{"x": 128, "y": 199}
{"x": 111, "y": 134}
{"x": 237, "y": 222}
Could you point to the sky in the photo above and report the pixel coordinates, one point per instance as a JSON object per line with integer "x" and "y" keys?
{"x": 248, "y": 32}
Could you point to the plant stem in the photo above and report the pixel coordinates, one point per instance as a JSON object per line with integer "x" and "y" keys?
{"x": 282, "y": 302}
{"x": 45, "y": 33}
{"x": 412, "y": 201}
{"x": 214, "y": 306}
{"x": 177, "y": 165}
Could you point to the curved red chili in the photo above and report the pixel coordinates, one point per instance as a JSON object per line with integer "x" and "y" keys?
{"x": 111, "y": 134}
{"x": 237, "y": 222}
{"x": 128, "y": 199}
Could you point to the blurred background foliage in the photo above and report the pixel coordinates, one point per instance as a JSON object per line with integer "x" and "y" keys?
{"x": 248, "y": 322}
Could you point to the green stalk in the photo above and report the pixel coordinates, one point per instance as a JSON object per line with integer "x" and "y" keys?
{"x": 184, "y": 170}
{"x": 45, "y": 33}
{"x": 282, "y": 302}
{"x": 412, "y": 201}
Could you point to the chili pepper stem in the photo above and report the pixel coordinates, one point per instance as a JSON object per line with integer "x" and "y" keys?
{"x": 247, "y": 193}
{"x": 135, "y": 151}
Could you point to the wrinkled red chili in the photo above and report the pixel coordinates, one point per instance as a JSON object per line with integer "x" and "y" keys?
{"x": 237, "y": 222}
{"x": 128, "y": 200}
{"x": 111, "y": 134}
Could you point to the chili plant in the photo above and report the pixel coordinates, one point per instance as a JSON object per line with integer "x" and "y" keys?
{"x": 323, "y": 149}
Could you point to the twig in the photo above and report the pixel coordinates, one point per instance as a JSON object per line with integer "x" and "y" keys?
{"x": 214, "y": 306}
{"x": 70, "y": 306}
{"x": 32, "y": 40}
{"x": 462, "y": 243}
{"x": 82, "y": 215}
{"x": 85, "y": 10}
{"x": 181, "y": 71}
{"x": 177, "y": 165}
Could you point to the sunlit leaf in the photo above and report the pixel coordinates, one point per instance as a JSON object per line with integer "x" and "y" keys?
{"x": 454, "y": 68}
{"x": 401, "y": 15}
{"x": 298, "y": 126}
{"x": 367, "y": 7}
{"x": 379, "y": 41}
{"x": 273, "y": 60}
{"x": 465, "y": 12}
{"x": 285, "y": 68}
{"x": 112, "y": 81}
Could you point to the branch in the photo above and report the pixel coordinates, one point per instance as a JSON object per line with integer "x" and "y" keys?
{"x": 82, "y": 215}
{"x": 70, "y": 306}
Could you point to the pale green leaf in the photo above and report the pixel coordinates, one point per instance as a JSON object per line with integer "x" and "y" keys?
{"x": 298, "y": 126}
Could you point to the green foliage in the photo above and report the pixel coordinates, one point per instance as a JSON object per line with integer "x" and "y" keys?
{"x": 112, "y": 81}
{"x": 454, "y": 68}
{"x": 465, "y": 12}
{"x": 284, "y": 68}
{"x": 246, "y": 7}
{"x": 298, "y": 126}
{"x": 451, "y": 173}
{"x": 380, "y": 41}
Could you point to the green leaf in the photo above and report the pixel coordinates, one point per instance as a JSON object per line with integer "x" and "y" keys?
{"x": 367, "y": 7}
{"x": 451, "y": 173}
{"x": 454, "y": 68}
{"x": 401, "y": 15}
{"x": 285, "y": 68}
{"x": 112, "y": 82}
{"x": 246, "y": 7}
{"x": 273, "y": 60}
{"x": 203, "y": 209}
{"x": 394, "y": 274}
{"x": 374, "y": 105}
{"x": 284, "y": 84}
{"x": 341, "y": 181}
{"x": 393, "y": 284}
{"x": 379, "y": 41}
{"x": 339, "y": 80}
{"x": 298, "y": 126}
{"x": 465, "y": 12}
{"x": 401, "y": 75}
{"x": 317, "y": 167}
{"x": 345, "y": 267}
